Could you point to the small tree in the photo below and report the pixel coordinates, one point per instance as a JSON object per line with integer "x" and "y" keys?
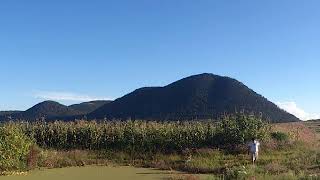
{"x": 240, "y": 128}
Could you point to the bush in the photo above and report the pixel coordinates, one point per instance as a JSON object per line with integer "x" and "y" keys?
{"x": 14, "y": 148}
{"x": 240, "y": 173}
{"x": 240, "y": 128}
{"x": 280, "y": 136}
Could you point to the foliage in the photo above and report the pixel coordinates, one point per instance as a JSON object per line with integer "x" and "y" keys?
{"x": 293, "y": 162}
{"x": 133, "y": 136}
{"x": 240, "y": 128}
{"x": 237, "y": 172}
{"x": 145, "y": 136}
{"x": 14, "y": 147}
{"x": 192, "y": 147}
{"x": 280, "y": 136}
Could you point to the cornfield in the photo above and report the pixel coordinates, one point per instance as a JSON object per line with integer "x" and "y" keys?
{"x": 122, "y": 135}
{"x": 142, "y": 136}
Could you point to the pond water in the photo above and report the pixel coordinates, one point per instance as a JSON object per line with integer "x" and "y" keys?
{"x": 95, "y": 173}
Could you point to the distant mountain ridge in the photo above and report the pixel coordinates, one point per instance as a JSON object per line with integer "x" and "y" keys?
{"x": 203, "y": 96}
{"x": 87, "y": 107}
{"x": 51, "y": 110}
{"x": 7, "y": 113}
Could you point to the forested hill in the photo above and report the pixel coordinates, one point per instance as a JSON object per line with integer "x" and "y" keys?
{"x": 51, "y": 110}
{"x": 203, "y": 96}
{"x": 87, "y": 107}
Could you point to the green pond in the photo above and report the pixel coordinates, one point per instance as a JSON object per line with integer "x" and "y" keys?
{"x": 96, "y": 173}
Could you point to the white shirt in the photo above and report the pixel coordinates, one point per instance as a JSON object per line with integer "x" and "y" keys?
{"x": 254, "y": 146}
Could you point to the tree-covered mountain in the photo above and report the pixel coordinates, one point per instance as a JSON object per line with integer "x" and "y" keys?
{"x": 8, "y": 115}
{"x": 47, "y": 110}
{"x": 87, "y": 107}
{"x": 8, "y": 112}
{"x": 203, "y": 96}
{"x": 51, "y": 110}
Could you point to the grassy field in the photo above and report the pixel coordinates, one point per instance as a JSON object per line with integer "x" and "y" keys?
{"x": 315, "y": 125}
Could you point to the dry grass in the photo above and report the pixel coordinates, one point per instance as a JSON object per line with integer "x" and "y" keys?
{"x": 58, "y": 159}
{"x": 298, "y": 131}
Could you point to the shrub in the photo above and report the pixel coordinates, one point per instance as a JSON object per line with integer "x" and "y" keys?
{"x": 280, "y": 136}
{"x": 240, "y": 172}
{"x": 14, "y": 148}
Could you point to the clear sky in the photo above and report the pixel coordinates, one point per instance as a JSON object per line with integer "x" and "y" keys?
{"x": 74, "y": 50}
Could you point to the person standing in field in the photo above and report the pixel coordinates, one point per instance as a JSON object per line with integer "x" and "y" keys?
{"x": 254, "y": 150}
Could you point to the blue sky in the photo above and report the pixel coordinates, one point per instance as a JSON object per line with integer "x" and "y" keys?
{"x": 73, "y": 50}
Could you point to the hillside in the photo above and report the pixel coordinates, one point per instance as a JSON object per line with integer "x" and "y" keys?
{"x": 87, "y": 107}
{"x": 51, "y": 110}
{"x": 8, "y": 113}
{"x": 200, "y": 96}
{"x": 203, "y": 96}
{"x": 314, "y": 124}
{"x": 48, "y": 110}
